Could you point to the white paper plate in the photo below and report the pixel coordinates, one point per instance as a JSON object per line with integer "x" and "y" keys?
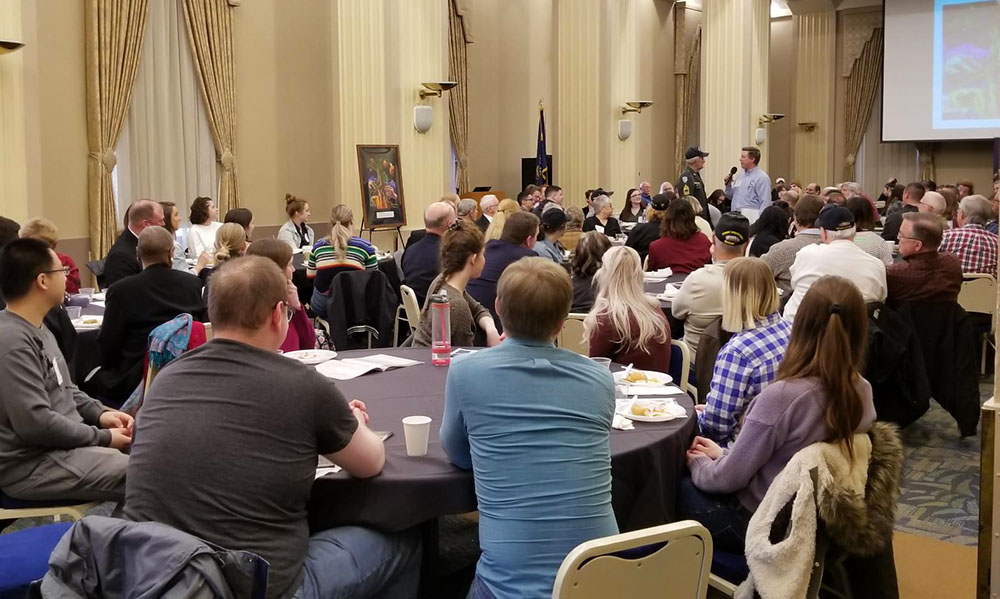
{"x": 661, "y": 378}
{"x": 88, "y": 322}
{"x": 664, "y": 418}
{"x": 678, "y": 412}
{"x": 311, "y": 357}
{"x": 99, "y": 297}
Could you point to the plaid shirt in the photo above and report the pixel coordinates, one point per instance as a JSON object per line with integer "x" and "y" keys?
{"x": 744, "y": 366}
{"x": 976, "y": 247}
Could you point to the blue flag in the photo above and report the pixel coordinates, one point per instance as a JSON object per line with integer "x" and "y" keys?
{"x": 541, "y": 160}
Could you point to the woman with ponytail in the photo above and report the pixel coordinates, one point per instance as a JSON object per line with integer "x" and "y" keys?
{"x": 230, "y": 242}
{"x": 819, "y": 396}
{"x": 462, "y": 259}
{"x": 338, "y": 252}
{"x": 506, "y": 208}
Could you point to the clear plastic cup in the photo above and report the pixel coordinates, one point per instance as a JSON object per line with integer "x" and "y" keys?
{"x": 74, "y": 312}
{"x": 605, "y": 362}
{"x": 87, "y": 292}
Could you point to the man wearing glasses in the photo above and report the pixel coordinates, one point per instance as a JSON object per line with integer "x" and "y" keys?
{"x": 56, "y": 442}
{"x": 924, "y": 275}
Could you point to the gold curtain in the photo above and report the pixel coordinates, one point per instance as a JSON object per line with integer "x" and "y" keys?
{"x": 210, "y": 29}
{"x": 862, "y": 85}
{"x": 925, "y": 152}
{"x": 458, "y": 98}
{"x": 114, "y": 31}
{"x": 687, "y": 72}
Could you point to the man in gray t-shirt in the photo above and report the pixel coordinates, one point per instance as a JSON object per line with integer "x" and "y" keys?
{"x": 56, "y": 443}
{"x": 227, "y": 445}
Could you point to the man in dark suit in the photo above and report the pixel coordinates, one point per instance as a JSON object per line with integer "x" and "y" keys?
{"x": 517, "y": 240}
{"x": 137, "y": 305}
{"x": 488, "y": 204}
{"x": 121, "y": 260}
{"x": 422, "y": 261}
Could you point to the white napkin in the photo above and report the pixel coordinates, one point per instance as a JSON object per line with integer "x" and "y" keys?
{"x": 658, "y": 275}
{"x": 669, "y": 291}
{"x": 622, "y": 423}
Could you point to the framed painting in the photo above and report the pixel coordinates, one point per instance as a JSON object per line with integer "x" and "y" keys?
{"x": 381, "y": 187}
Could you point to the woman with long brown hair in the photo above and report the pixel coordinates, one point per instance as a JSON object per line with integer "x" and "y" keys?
{"x": 462, "y": 259}
{"x": 301, "y": 334}
{"x": 819, "y": 396}
{"x": 682, "y": 247}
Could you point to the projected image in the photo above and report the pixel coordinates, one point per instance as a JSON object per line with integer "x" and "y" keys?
{"x": 967, "y": 63}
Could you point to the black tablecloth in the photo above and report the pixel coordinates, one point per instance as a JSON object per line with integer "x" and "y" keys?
{"x": 646, "y": 463}
{"x": 86, "y": 354}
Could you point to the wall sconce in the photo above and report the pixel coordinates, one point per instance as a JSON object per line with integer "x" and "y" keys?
{"x": 769, "y": 118}
{"x": 436, "y": 87}
{"x": 636, "y": 106}
{"x": 423, "y": 118}
{"x": 624, "y": 129}
{"x": 760, "y": 136}
{"x": 8, "y": 46}
{"x": 810, "y": 127}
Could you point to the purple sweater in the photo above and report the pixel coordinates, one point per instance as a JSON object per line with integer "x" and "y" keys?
{"x": 787, "y": 416}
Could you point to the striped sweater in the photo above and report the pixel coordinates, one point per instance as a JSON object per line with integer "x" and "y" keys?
{"x": 324, "y": 263}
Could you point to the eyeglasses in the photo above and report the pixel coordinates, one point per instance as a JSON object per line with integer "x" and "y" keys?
{"x": 64, "y": 270}
{"x": 910, "y": 238}
{"x": 289, "y": 311}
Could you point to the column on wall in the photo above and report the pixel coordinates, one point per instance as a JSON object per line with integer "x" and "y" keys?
{"x": 13, "y": 157}
{"x": 623, "y": 85}
{"x": 734, "y": 81}
{"x": 813, "y": 145}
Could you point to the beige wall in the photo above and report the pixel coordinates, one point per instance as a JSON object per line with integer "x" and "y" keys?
{"x": 654, "y": 128}
{"x": 781, "y": 97}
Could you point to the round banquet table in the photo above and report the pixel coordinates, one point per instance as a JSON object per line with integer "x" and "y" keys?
{"x": 86, "y": 353}
{"x": 655, "y": 288}
{"x": 646, "y": 463}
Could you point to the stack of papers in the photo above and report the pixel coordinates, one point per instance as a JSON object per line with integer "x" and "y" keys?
{"x": 325, "y": 466}
{"x": 344, "y": 370}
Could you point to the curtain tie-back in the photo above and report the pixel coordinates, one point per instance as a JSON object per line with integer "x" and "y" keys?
{"x": 850, "y": 159}
{"x": 463, "y": 160}
{"x": 227, "y": 160}
{"x": 108, "y": 159}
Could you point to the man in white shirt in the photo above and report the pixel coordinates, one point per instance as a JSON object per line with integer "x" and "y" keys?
{"x": 699, "y": 301}
{"x": 838, "y": 255}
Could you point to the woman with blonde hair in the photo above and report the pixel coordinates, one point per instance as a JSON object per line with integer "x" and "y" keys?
{"x": 749, "y": 361}
{"x": 819, "y": 396}
{"x": 340, "y": 251}
{"x": 44, "y": 229}
{"x": 230, "y": 242}
{"x": 625, "y": 324}
{"x": 506, "y": 208}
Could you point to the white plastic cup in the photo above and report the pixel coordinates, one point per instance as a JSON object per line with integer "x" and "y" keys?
{"x": 74, "y": 312}
{"x": 87, "y": 292}
{"x": 417, "y": 430}
{"x": 605, "y": 362}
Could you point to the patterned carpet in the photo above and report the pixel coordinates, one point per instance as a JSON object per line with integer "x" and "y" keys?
{"x": 940, "y": 494}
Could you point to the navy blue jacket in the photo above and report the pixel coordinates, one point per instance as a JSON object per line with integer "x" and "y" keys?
{"x": 499, "y": 255}
{"x": 421, "y": 263}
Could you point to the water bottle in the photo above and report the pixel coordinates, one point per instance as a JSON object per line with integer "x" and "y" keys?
{"x": 440, "y": 330}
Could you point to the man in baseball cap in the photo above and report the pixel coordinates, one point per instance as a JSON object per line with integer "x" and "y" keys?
{"x": 690, "y": 183}
{"x": 839, "y": 256}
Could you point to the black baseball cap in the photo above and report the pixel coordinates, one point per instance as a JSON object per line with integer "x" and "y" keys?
{"x": 600, "y": 192}
{"x": 662, "y": 200}
{"x": 694, "y": 152}
{"x": 835, "y": 217}
{"x": 733, "y": 229}
{"x": 554, "y": 218}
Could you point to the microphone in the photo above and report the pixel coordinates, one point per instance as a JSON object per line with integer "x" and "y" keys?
{"x": 732, "y": 173}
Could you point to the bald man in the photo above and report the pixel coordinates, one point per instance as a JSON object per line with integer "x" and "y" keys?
{"x": 933, "y": 202}
{"x": 421, "y": 260}
{"x": 488, "y": 204}
{"x": 135, "y": 306}
{"x": 121, "y": 260}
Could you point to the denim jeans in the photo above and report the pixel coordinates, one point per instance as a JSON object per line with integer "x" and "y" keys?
{"x": 479, "y": 590}
{"x": 358, "y": 563}
{"x": 723, "y": 515}
{"x": 318, "y": 303}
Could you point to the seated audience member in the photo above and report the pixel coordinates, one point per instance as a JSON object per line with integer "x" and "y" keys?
{"x": 205, "y": 225}
{"x": 301, "y": 334}
{"x": 56, "y": 443}
{"x": 296, "y": 231}
{"x": 912, "y": 194}
{"x": 965, "y": 188}
{"x": 422, "y": 261}
{"x": 681, "y": 246}
{"x": 646, "y": 193}
{"x": 699, "y": 301}
{"x": 819, "y": 396}
{"x": 994, "y": 226}
{"x": 748, "y": 362}
{"x": 924, "y": 275}
{"x": 718, "y": 199}
{"x": 951, "y": 200}
{"x": 135, "y": 306}
{"x": 520, "y": 233}
{"x": 934, "y": 203}
{"x": 340, "y": 251}
{"x": 553, "y": 194}
{"x": 42, "y": 228}
{"x": 461, "y": 260}
{"x": 121, "y": 260}
{"x": 667, "y": 186}
{"x": 866, "y": 238}
{"x": 583, "y": 267}
{"x": 533, "y": 515}
{"x": 970, "y": 241}
{"x": 632, "y": 210}
{"x": 929, "y": 185}
{"x": 625, "y": 324}
{"x": 643, "y": 234}
{"x": 782, "y": 254}
{"x": 506, "y": 208}
{"x": 230, "y": 242}
{"x": 553, "y": 227}
{"x": 602, "y": 221}
{"x": 467, "y": 210}
{"x": 838, "y": 255}
{"x": 769, "y": 229}
{"x": 526, "y": 201}
{"x": 588, "y": 209}
{"x": 172, "y": 222}
{"x": 488, "y": 204}
{"x": 699, "y": 218}
{"x": 242, "y": 217}
{"x": 791, "y": 197}
{"x": 852, "y": 189}
{"x": 574, "y": 228}
{"x": 891, "y": 197}
{"x": 279, "y": 416}
{"x": 813, "y": 189}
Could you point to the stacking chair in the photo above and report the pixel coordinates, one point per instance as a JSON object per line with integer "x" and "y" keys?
{"x": 681, "y": 356}
{"x": 12, "y": 509}
{"x": 408, "y": 311}
{"x": 96, "y": 267}
{"x": 571, "y": 336}
{"x": 644, "y": 563}
{"x": 978, "y": 295}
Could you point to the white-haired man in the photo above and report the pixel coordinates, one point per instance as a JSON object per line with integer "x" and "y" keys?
{"x": 488, "y": 204}
{"x": 933, "y": 202}
{"x": 838, "y": 255}
{"x": 970, "y": 241}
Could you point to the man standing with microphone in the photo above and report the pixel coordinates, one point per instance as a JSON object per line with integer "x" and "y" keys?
{"x": 690, "y": 183}
{"x": 750, "y": 191}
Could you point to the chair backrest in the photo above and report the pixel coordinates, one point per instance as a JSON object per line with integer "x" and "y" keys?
{"x": 208, "y": 331}
{"x": 411, "y": 306}
{"x": 643, "y": 563}
{"x": 978, "y": 294}
{"x": 571, "y": 336}
{"x": 96, "y": 267}
{"x": 681, "y": 355}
